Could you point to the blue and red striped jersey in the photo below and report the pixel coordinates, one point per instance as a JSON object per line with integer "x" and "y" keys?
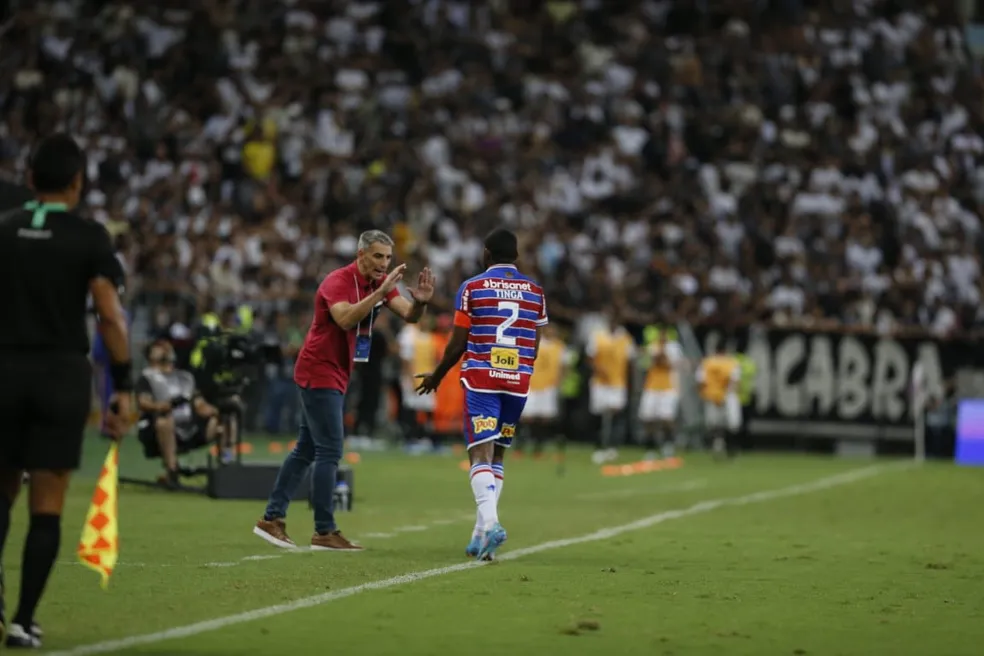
{"x": 502, "y": 309}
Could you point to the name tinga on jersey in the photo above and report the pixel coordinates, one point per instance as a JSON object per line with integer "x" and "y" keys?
{"x": 509, "y": 294}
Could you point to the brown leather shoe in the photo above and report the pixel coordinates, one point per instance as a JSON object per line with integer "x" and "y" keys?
{"x": 333, "y": 541}
{"x": 274, "y": 531}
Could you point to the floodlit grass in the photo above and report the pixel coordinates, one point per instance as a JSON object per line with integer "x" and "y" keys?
{"x": 889, "y": 564}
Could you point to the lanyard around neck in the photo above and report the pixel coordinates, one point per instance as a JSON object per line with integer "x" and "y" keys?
{"x": 41, "y": 212}
{"x": 358, "y": 299}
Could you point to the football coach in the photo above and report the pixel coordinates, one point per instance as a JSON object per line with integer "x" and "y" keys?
{"x": 340, "y": 335}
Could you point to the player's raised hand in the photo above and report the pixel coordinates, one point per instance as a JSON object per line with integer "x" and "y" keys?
{"x": 428, "y": 383}
{"x": 393, "y": 279}
{"x": 424, "y": 290}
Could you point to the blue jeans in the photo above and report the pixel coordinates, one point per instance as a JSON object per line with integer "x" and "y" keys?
{"x": 320, "y": 440}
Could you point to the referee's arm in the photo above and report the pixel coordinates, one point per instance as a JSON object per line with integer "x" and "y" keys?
{"x": 112, "y": 323}
{"x": 105, "y": 280}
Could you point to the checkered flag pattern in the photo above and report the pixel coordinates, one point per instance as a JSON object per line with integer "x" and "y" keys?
{"x": 99, "y": 544}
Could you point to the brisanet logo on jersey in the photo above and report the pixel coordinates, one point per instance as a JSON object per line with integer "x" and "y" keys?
{"x": 512, "y": 286}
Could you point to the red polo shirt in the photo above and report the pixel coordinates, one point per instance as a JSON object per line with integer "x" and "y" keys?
{"x": 325, "y": 360}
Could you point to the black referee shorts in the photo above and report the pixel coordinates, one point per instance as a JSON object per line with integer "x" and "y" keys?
{"x": 44, "y": 405}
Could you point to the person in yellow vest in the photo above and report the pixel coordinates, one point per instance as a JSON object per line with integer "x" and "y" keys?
{"x": 661, "y": 394}
{"x": 259, "y": 154}
{"x": 611, "y": 349}
{"x": 418, "y": 352}
{"x": 718, "y": 379}
{"x": 543, "y": 403}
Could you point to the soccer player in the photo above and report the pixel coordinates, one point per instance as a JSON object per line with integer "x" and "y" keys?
{"x": 499, "y": 315}
{"x": 611, "y": 350}
{"x": 50, "y": 260}
{"x": 661, "y": 396}
{"x": 718, "y": 379}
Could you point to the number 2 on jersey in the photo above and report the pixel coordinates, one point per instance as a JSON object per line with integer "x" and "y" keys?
{"x": 500, "y": 331}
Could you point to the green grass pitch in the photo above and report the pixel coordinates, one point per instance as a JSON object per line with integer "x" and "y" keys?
{"x": 887, "y": 562}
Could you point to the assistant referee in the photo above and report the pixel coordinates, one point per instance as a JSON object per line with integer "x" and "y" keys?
{"x": 50, "y": 261}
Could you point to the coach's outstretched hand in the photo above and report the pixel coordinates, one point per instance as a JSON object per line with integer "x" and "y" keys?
{"x": 428, "y": 384}
{"x": 393, "y": 279}
{"x": 118, "y": 419}
{"x": 424, "y": 290}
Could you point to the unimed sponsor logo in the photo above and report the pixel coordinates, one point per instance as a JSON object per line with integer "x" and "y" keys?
{"x": 505, "y": 375}
{"x": 504, "y": 284}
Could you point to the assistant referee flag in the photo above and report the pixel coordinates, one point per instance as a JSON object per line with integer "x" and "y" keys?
{"x": 99, "y": 546}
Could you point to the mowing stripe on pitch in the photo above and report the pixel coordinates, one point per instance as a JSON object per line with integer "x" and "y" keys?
{"x": 603, "y": 534}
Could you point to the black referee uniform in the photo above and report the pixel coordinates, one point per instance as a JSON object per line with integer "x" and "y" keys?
{"x": 47, "y": 258}
{"x": 50, "y": 261}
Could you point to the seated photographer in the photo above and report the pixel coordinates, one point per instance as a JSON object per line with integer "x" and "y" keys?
{"x": 174, "y": 417}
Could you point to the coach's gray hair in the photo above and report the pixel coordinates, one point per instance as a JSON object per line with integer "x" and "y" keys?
{"x": 370, "y": 237}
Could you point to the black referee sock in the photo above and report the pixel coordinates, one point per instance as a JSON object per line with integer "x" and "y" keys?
{"x": 40, "y": 551}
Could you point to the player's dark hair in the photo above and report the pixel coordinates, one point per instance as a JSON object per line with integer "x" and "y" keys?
{"x": 55, "y": 163}
{"x": 502, "y": 245}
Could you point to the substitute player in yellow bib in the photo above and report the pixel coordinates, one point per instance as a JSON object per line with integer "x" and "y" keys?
{"x": 661, "y": 394}
{"x": 611, "y": 349}
{"x": 418, "y": 352}
{"x": 718, "y": 378}
{"x": 543, "y": 404}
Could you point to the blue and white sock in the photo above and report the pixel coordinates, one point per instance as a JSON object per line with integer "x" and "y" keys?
{"x": 498, "y": 473}
{"x": 484, "y": 488}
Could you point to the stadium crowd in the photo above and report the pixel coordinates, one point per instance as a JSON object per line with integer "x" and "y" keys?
{"x": 802, "y": 162}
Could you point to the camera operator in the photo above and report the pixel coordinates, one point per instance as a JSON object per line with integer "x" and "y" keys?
{"x": 174, "y": 417}
{"x": 224, "y": 363}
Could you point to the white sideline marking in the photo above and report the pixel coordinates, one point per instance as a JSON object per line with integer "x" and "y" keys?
{"x": 282, "y": 552}
{"x": 412, "y": 577}
{"x": 685, "y": 486}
